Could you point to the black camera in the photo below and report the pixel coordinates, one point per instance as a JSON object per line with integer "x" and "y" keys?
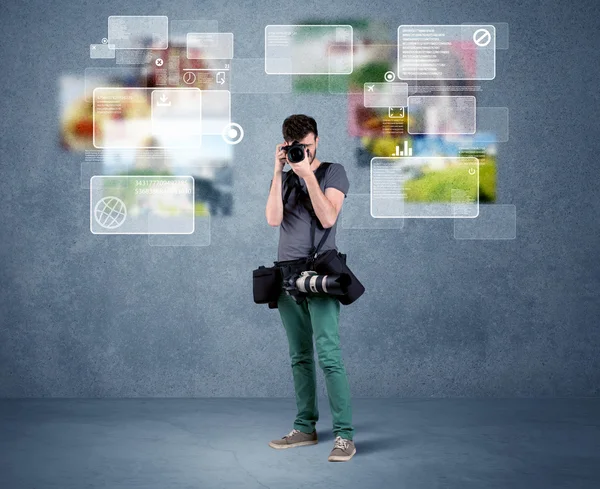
{"x": 294, "y": 152}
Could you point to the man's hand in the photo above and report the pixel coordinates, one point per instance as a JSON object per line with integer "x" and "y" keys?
{"x": 280, "y": 158}
{"x": 302, "y": 169}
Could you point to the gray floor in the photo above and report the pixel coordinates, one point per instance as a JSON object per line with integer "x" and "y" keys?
{"x": 222, "y": 443}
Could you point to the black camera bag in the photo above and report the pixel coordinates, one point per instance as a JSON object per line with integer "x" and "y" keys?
{"x": 266, "y": 284}
{"x": 332, "y": 262}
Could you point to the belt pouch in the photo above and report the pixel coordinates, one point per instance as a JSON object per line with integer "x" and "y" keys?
{"x": 266, "y": 285}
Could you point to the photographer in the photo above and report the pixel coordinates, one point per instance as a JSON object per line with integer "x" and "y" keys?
{"x": 318, "y": 313}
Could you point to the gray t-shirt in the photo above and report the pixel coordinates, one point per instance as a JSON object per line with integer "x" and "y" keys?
{"x": 294, "y": 232}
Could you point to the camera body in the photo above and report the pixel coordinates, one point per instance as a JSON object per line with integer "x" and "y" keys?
{"x": 294, "y": 152}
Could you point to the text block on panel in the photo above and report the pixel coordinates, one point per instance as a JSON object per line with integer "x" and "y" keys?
{"x": 446, "y": 52}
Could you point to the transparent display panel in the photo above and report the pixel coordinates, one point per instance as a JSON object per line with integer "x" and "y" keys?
{"x": 200, "y": 236}
{"x": 446, "y": 52}
{"x": 137, "y": 204}
{"x": 132, "y": 56}
{"x": 425, "y": 187}
{"x": 441, "y": 114}
{"x": 102, "y": 51}
{"x": 492, "y": 124}
{"x": 209, "y": 45}
{"x": 178, "y": 29}
{"x": 120, "y": 76}
{"x": 308, "y": 49}
{"x": 356, "y": 214}
{"x": 216, "y": 111}
{"x": 138, "y": 31}
{"x": 147, "y": 118}
{"x": 393, "y": 94}
{"x": 494, "y": 222}
{"x": 372, "y": 62}
{"x": 248, "y": 76}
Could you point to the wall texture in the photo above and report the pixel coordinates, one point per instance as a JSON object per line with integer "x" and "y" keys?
{"x": 84, "y": 315}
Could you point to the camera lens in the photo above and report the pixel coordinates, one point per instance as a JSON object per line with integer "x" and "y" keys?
{"x": 336, "y": 284}
{"x": 296, "y": 153}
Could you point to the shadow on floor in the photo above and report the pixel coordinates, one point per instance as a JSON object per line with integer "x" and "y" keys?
{"x": 370, "y": 445}
{"x": 326, "y": 434}
{"x": 376, "y": 444}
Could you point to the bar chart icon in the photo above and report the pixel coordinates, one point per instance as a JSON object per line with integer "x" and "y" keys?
{"x": 405, "y": 152}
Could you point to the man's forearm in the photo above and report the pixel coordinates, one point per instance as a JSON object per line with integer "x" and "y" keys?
{"x": 274, "y": 210}
{"x": 323, "y": 208}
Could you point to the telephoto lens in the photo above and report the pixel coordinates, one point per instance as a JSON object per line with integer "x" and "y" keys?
{"x": 295, "y": 152}
{"x": 309, "y": 282}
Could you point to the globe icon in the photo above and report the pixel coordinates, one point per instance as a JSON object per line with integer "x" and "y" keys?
{"x": 110, "y": 212}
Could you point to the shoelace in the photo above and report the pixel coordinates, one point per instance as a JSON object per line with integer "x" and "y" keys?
{"x": 341, "y": 443}
{"x": 292, "y": 433}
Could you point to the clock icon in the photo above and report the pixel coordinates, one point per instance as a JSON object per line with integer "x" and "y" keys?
{"x": 189, "y": 77}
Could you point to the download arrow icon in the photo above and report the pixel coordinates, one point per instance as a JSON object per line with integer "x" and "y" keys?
{"x": 162, "y": 101}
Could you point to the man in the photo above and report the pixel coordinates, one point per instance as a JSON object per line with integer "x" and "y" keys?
{"x": 318, "y": 313}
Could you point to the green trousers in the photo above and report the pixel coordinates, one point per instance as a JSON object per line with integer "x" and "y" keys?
{"x": 318, "y": 314}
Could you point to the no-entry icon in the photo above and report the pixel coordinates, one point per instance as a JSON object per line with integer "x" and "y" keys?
{"x": 482, "y": 37}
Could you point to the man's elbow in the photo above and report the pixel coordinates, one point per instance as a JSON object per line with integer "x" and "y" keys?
{"x": 274, "y": 223}
{"x": 328, "y": 224}
{"x": 269, "y": 217}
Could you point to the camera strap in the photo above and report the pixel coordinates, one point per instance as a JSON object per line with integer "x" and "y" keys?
{"x": 312, "y": 254}
{"x": 293, "y": 182}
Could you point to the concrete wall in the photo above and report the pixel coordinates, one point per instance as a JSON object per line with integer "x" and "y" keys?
{"x": 84, "y": 315}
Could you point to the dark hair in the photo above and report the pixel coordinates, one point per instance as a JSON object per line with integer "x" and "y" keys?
{"x": 296, "y": 127}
